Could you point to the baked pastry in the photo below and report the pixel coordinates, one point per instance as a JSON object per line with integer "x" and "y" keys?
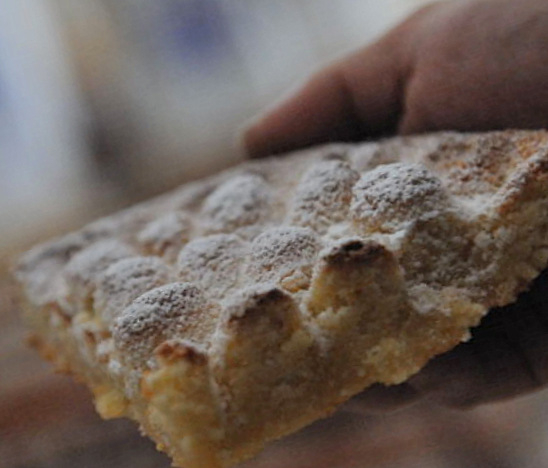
{"x": 240, "y": 308}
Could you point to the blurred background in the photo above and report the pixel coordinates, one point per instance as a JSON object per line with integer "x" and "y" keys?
{"x": 104, "y": 103}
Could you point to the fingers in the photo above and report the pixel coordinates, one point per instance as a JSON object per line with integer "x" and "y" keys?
{"x": 380, "y": 399}
{"x": 507, "y": 356}
{"x": 322, "y": 110}
{"x": 355, "y": 98}
{"x": 481, "y": 67}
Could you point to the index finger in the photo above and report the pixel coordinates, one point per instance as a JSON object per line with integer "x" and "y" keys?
{"x": 355, "y": 98}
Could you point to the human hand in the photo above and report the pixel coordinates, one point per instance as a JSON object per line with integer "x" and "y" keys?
{"x": 507, "y": 356}
{"x": 459, "y": 65}
{"x": 473, "y": 65}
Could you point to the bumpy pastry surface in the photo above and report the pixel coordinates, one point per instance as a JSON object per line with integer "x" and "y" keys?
{"x": 240, "y": 308}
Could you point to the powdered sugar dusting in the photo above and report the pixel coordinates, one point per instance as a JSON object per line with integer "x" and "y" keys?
{"x": 83, "y": 269}
{"x": 248, "y": 297}
{"x": 212, "y": 262}
{"x": 165, "y": 236}
{"x": 125, "y": 281}
{"x": 284, "y": 253}
{"x": 391, "y": 195}
{"x": 176, "y": 310}
{"x": 323, "y": 195}
{"x": 40, "y": 268}
{"x": 241, "y": 201}
{"x": 459, "y": 214}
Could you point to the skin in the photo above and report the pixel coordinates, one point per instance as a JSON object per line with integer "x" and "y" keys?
{"x": 470, "y": 65}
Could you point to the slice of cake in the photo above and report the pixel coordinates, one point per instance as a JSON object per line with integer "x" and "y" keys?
{"x": 240, "y": 308}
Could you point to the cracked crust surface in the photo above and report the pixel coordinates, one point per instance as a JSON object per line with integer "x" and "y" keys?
{"x": 240, "y": 308}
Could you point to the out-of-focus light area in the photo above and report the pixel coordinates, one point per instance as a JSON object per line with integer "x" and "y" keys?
{"x": 103, "y": 103}
{"x": 107, "y": 102}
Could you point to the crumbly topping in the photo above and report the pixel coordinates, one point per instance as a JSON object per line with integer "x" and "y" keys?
{"x": 39, "y": 268}
{"x": 474, "y": 166}
{"x": 165, "y": 236}
{"x": 249, "y": 297}
{"x": 190, "y": 196}
{"x": 84, "y": 268}
{"x": 323, "y": 195}
{"x": 126, "y": 280}
{"x": 423, "y": 198}
{"x": 282, "y": 252}
{"x": 123, "y": 225}
{"x": 392, "y": 195}
{"x": 241, "y": 201}
{"x": 212, "y": 262}
{"x": 176, "y": 310}
{"x": 349, "y": 265}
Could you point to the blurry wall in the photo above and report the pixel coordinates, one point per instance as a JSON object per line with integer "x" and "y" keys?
{"x": 105, "y": 102}
{"x": 42, "y": 145}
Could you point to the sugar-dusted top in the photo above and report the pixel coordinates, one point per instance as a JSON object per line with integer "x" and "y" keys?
{"x": 446, "y": 207}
